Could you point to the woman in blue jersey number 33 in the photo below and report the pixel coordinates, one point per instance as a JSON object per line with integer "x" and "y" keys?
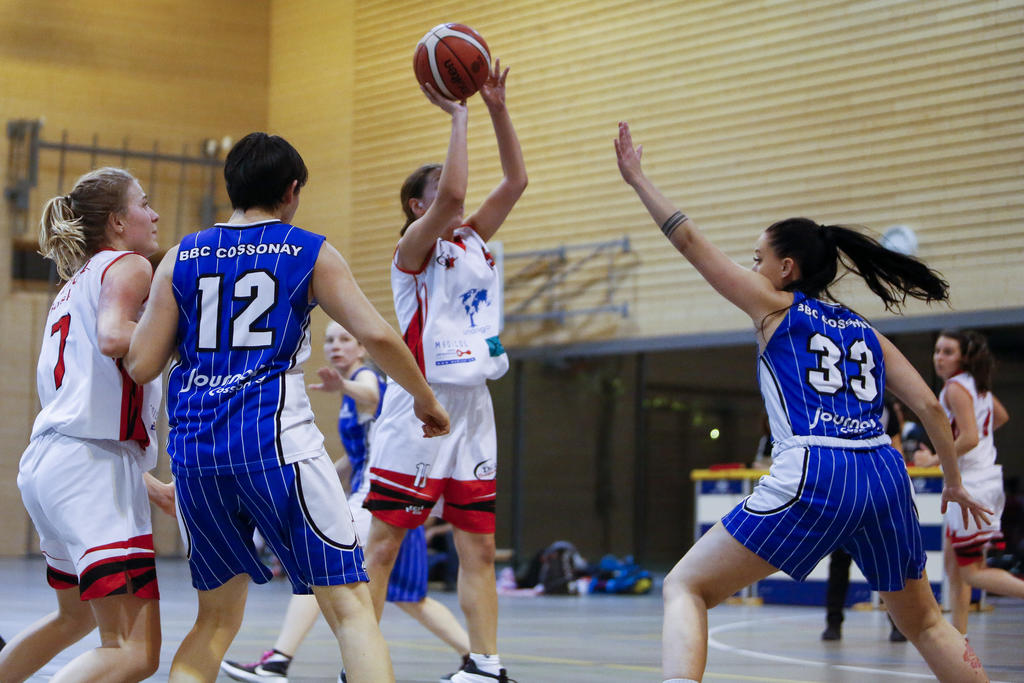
{"x": 835, "y": 479}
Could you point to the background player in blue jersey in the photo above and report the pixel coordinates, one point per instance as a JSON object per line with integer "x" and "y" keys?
{"x": 362, "y": 390}
{"x": 835, "y": 479}
{"x": 234, "y": 301}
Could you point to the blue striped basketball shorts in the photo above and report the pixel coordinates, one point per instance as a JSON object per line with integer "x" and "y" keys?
{"x": 817, "y": 498}
{"x": 299, "y": 509}
{"x": 408, "y": 579}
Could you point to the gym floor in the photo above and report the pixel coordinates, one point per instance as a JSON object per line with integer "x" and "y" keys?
{"x": 593, "y": 638}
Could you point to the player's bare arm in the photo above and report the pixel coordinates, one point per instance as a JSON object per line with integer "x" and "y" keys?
{"x": 339, "y": 295}
{"x": 908, "y": 386}
{"x": 750, "y": 292}
{"x": 498, "y": 204}
{"x": 364, "y": 389}
{"x": 999, "y": 414}
{"x": 125, "y": 287}
{"x": 415, "y": 245}
{"x": 962, "y": 406}
{"x": 153, "y": 340}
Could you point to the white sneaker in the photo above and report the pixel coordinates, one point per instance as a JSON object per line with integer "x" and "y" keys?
{"x": 272, "y": 667}
{"x": 469, "y": 673}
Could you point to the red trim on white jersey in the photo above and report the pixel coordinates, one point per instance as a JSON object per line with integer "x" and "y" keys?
{"x": 423, "y": 266}
{"x": 413, "y": 335}
{"x": 127, "y": 253}
{"x": 133, "y": 427}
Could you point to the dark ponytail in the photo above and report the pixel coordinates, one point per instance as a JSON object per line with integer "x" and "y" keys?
{"x": 413, "y": 188}
{"x": 975, "y": 356}
{"x": 818, "y": 250}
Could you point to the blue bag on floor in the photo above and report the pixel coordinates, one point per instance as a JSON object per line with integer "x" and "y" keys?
{"x": 612, "y": 575}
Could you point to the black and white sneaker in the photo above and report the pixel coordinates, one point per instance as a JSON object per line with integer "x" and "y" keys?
{"x": 272, "y": 667}
{"x": 469, "y": 673}
{"x": 448, "y": 677}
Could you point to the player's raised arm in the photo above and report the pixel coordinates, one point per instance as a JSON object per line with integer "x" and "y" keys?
{"x": 434, "y": 215}
{"x": 495, "y": 208}
{"x": 753, "y": 294}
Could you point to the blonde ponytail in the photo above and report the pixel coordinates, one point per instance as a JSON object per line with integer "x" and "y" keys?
{"x": 73, "y": 226}
{"x": 61, "y": 237}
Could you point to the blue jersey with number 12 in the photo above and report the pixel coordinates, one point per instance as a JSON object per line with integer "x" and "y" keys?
{"x": 236, "y": 398}
{"x": 823, "y": 374}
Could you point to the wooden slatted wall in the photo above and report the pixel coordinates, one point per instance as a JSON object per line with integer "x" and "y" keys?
{"x": 133, "y": 73}
{"x": 875, "y": 112}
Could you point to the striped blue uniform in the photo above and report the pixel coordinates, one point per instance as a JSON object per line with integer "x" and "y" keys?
{"x": 835, "y": 480}
{"x": 244, "y": 449}
{"x": 408, "y": 579}
{"x": 355, "y": 434}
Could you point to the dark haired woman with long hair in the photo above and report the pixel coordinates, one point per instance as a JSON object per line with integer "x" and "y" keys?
{"x": 963, "y": 360}
{"x": 835, "y": 480}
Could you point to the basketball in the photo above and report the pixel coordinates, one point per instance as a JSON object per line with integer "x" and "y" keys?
{"x": 454, "y": 59}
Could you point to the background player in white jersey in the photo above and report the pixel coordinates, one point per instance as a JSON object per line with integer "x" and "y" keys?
{"x": 835, "y": 479}
{"x": 446, "y": 289}
{"x": 964, "y": 362}
{"x": 234, "y": 302}
{"x": 84, "y": 477}
{"x": 361, "y": 390}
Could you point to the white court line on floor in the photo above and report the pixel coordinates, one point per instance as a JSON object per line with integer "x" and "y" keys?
{"x": 737, "y": 625}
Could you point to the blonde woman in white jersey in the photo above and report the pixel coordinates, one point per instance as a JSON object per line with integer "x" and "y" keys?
{"x": 964, "y": 362}
{"x": 83, "y": 476}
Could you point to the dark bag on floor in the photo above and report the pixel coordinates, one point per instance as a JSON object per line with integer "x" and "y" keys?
{"x": 558, "y": 569}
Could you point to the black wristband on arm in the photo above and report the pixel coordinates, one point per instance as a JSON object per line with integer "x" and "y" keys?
{"x": 673, "y": 222}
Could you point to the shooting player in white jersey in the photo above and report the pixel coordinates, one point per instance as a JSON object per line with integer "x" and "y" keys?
{"x": 446, "y": 292}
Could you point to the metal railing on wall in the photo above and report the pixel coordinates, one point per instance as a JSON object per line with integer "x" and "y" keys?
{"x": 184, "y": 187}
{"x": 565, "y": 281}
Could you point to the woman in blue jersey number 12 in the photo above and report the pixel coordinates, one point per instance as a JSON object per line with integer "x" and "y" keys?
{"x": 234, "y": 301}
{"x": 823, "y": 372}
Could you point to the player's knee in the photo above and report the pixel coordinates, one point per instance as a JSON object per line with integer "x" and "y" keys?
{"x": 75, "y": 626}
{"x": 675, "y": 585}
{"x": 413, "y": 609}
{"x": 477, "y": 555}
{"x": 147, "y": 663}
{"x": 969, "y": 571}
{"x": 137, "y": 661}
{"x": 685, "y": 582}
{"x": 382, "y": 552}
{"x": 220, "y": 623}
